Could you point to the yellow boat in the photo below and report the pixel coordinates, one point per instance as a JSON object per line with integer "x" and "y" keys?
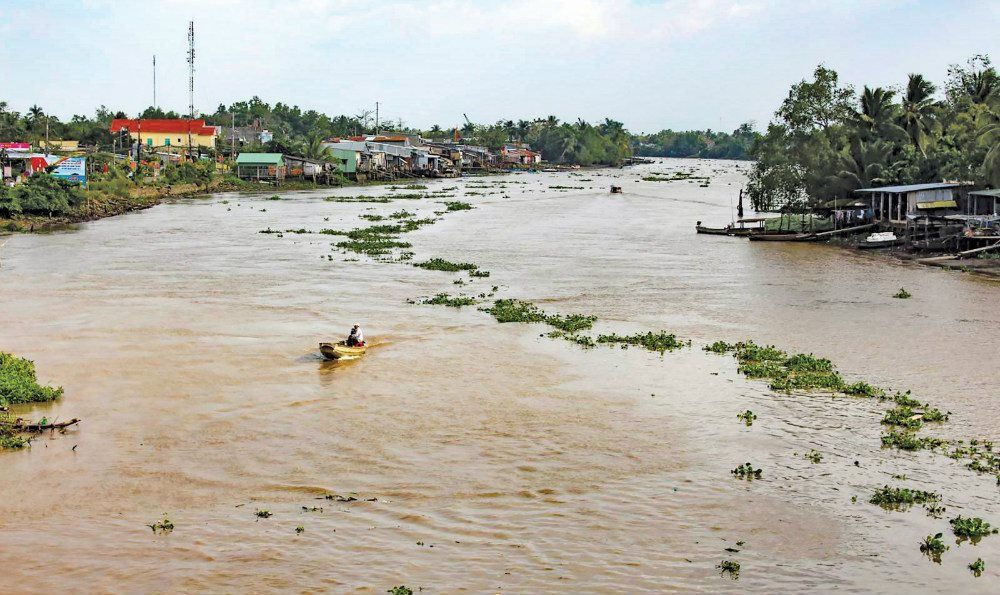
{"x": 341, "y": 350}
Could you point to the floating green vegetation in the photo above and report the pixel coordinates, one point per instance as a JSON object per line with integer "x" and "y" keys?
{"x": 515, "y": 311}
{"x": 932, "y": 546}
{"x": 747, "y": 416}
{"x": 299, "y": 529}
{"x": 892, "y": 498}
{"x": 400, "y": 590}
{"x": 457, "y": 205}
{"x": 443, "y": 299}
{"x": 813, "y": 456}
{"x": 582, "y": 340}
{"x": 674, "y": 177}
{"x": 981, "y": 457}
{"x": 661, "y": 341}
{"x": 19, "y": 383}
{"x": 570, "y": 323}
{"x": 372, "y": 217}
{"x": 863, "y": 389}
{"x": 934, "y": 510}
{"x": 274, "y": 197}
{"x": 909, "y": 441}
{"x": 479, "y": 273}
{"x": 402, "y": 214}
{"x": 440, "y": 264}
{"x": 371, "y": 199}
{"x": 409, "y": 187}
{"x": 902, "y": 294}
{"x": 747, "y": 472}
{"x": 978, "y": 567}
{"x": 730, "y": 567}
{"x": 719, "y": 347}
{"x": 566, "y": 188}
{"x": 263, "y": 513}
{"x": 905, "y": 416}
{"x": 164, "y": 525}
{"x": 972, "y": 529}
{"x": 301, "y": 230}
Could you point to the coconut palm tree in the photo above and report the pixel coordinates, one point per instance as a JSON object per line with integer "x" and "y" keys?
{"x": 877, "y": 118}
{"x": 314, "y": 149}
{"x": 917, "y": 111}
{"x": 864, "y": 164}
{"x": 990, "y": 134}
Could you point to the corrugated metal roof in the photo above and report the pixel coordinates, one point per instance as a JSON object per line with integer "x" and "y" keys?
{"x": 254, "y": 158}
{"x": 994, "y": 192}
{"x": 911, "y": 187}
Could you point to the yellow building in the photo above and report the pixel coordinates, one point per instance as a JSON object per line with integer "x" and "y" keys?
{"x": 157, "y": 134}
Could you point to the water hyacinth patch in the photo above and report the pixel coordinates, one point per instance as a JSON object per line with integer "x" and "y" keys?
{"x": 661, "y": 341}
{"x": 443, "y": 299}
{"x": 457, "y": 205}
{"x": 747, "y": 472}
{"x": 902, "y": 294}
{"x": 440, "y": 264}
{"x": 892, "y": 498}
{"x": 747, "y": 416}
{"x": 909, "y": 441}
{"x": 972, "y": 529}
{"x": 932, "y": 546}
{"x": 978, "y": 567}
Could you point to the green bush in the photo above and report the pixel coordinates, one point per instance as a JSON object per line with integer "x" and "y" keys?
{"x": 18, "y": 383}
{"x": 41, "y": 194}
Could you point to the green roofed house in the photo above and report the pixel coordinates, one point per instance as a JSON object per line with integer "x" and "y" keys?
{"x": 260, "y": 166}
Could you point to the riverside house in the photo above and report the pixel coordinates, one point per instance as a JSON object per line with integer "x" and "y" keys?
{"x": 169, "y": 135}
{"x": 261, "y": 167}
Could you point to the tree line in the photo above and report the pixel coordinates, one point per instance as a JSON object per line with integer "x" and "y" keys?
{"x": 302, "y": 132}
{"x": 828, "y": 140}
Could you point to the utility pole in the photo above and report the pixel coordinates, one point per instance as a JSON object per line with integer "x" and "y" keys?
{"x": 376, "y": 118}
{"x": 190, "y": 60}
{"x": 154, "y": 82}
{"x": 232, "y": 153}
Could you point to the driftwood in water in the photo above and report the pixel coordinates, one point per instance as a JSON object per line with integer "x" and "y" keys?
{"x": 23, "y": 425}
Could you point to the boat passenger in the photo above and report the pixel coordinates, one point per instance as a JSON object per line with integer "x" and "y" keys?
{"x": 356, "y": 338}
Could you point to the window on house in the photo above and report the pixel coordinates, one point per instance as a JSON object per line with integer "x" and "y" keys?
{"x": 149, "y": 142}
{"x": 167, "y": 140}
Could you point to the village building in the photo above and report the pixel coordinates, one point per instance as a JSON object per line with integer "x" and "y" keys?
{"x": 984, "y": 202}
{"x": 172, "y": 135}
{"x": 268, "y": 167}
{"x": 898, "y": 204}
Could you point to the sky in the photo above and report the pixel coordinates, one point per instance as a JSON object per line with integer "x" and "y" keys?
{"x": 651, "y": 64}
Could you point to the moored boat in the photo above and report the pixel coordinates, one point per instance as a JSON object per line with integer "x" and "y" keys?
{"x": 784, "y": 237}
{"x": 340, "y": 350}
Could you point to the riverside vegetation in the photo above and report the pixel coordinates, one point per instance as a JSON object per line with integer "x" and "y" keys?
{"x": 19, "y": 385}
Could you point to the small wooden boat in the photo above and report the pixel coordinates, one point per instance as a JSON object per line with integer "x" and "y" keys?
{"x": 715, "y": 231}
{"x": 341, "y": 350}
{"x": 784, "y": 237}
{"x": 616, "y": 190}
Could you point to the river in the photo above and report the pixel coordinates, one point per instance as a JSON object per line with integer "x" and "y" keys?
{"x": 500, "y": 460}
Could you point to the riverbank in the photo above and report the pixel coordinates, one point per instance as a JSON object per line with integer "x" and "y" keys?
{"x": 99, "y": 204}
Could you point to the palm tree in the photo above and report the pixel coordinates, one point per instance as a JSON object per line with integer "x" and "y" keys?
{"x": 435, "y": 130}
{"x": 314, "y": 149}
{"x": 864, "y": 164}
{"x": 552, "y": 121}
{"x": 990, "y": 133}
{"x": 918, "y": 108}
{"x": 35, "y": 115}
{"x": 981, "y": 86}
{"x": 878, "y": 116}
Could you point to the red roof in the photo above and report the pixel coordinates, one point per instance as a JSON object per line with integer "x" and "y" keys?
{"x": 174, "y": 126}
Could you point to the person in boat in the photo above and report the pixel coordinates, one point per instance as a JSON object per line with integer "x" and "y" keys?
{"x": 356, "y": 338}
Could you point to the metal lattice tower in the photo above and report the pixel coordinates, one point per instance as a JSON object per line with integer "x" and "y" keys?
{"x": 190, "y": 61}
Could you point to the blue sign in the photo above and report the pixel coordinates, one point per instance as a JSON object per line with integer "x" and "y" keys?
{"x": 73, "y": 169}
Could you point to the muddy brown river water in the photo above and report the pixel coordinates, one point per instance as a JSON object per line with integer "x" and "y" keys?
{"x": 501, "y": 460}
